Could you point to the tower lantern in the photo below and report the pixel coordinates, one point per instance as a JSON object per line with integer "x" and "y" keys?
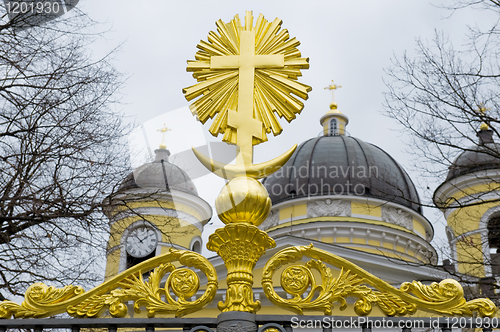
{"x": 334, "y": 121}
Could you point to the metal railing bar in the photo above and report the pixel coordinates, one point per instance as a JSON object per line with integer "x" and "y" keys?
{"x": 34, "y": 323}
{"x": 287, "y": 321}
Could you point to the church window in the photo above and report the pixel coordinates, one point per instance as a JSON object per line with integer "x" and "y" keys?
{"x": 333, "y": 127}
{"x": 494, "y": 243}
{"x": 196, "y": 247}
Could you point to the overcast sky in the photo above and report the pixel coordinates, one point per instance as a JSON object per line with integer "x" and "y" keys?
{"x": 348, "y": 41}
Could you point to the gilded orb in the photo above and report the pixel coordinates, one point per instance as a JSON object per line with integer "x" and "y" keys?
{"x": 243, "y": 200}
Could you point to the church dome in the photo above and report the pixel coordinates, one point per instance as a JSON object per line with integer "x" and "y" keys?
{"x": 159, "y": 174}
{"x": 477, "y": 158}
{"x": 342, "y": 165}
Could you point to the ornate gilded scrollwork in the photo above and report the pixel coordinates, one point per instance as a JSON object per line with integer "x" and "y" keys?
{"x": 42, "y": 301}
{"x": 240, "y": 246}
{"x": 446, "y": 297}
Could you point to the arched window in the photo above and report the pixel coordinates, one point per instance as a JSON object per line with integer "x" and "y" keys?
{"x": 494, "y": 242}
{"x": 196, "y": 247}
{"x": 333, "y": 127}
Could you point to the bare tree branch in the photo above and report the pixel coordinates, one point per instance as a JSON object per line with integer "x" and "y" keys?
{"x": 61, "y": 153}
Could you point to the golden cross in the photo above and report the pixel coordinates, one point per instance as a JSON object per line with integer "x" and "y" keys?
{"x": 243, "y": 120}
{"x": 482, "y": 110}
{"x": 333, "y": 87}
{"x": 163, "y": 131}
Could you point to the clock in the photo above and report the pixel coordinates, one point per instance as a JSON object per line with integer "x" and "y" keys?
{"x": 141, "y": 241}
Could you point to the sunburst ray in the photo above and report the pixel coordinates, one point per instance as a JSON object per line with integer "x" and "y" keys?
{"x": 277, "y": 92}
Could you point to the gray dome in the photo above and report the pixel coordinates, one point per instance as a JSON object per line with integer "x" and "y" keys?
{"x": 342, "y": 165}
{"x": 160, "y": 174}
{"x": 477, "y": 158}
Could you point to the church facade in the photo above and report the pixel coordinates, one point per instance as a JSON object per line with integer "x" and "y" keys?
{"x": 338, "y": 193}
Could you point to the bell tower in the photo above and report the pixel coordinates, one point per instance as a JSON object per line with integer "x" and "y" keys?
{"x": 156, "y": 207}
{"x": 469, "y": 199}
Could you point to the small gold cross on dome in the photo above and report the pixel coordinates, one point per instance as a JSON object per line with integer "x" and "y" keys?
{"x": 163, "y": 131}
{"x": 333, "y": 87}
{"x": 482, "y": 110}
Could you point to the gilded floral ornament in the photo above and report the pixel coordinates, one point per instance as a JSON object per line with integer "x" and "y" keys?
{"x": 43, "y": 301}
{"x": 446, "y": 297}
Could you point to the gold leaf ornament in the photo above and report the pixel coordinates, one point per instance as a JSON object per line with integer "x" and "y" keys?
{"x": 39, "y": 301}
{"x": 451, "y": 293}
{"x": 43, "y": 301}
{"x": 444, "y": 298}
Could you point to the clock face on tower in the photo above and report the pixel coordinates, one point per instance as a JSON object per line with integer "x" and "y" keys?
{"x": 141, "y": 241}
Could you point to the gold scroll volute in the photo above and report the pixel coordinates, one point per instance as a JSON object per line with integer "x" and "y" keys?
{"x": 43, "y": 301}
{"x": 445, "y": 297}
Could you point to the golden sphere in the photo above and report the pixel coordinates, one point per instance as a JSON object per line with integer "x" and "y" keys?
{"x": 243, "y": 200}
{"x": 333, "y": 106}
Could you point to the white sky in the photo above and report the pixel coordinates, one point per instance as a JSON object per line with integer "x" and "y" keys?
{"x": 348, "y": 41}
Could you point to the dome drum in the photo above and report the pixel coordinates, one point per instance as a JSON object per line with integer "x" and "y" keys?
{"x": 365, "y": 210}
{"x": 363, "y": 236}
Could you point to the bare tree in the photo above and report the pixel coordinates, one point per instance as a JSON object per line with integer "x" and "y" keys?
{"x": 445, "y": 97}
{"x": 60, "y": 152}
{"x": 437, "y": 94}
